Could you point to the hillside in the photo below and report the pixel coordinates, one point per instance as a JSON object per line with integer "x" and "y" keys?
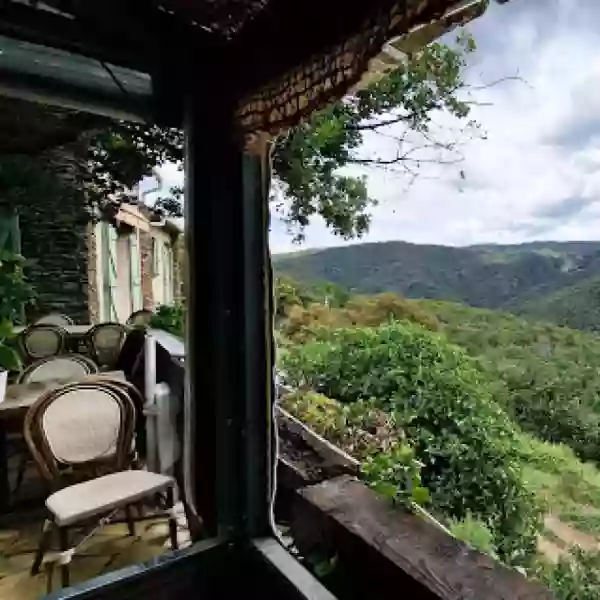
{"x": 547, "y": 280}
{"x": 458, "y": 384}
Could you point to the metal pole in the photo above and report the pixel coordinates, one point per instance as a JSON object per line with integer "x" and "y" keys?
{"x": 150, "y": 404}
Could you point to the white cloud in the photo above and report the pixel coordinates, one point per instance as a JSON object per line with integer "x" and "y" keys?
{"x": 536, "y": 175}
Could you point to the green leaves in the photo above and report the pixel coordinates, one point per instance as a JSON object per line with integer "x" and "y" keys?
{"x": 16, "y": 293}
{"x": 9, "y": 359}
{"x": 440, "y": 400}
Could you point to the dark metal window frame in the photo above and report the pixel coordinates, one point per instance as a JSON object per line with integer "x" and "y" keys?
{"x": 229, "y": 362}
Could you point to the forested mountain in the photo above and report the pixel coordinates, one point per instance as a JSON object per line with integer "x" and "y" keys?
{"x": 557, "y": 281}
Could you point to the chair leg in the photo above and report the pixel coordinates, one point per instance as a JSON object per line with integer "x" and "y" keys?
{"x": 63, "y": 534}
{"x": 20, "y": 473}
{"x": 172, "y": 519}
{"x": 130, "y": 519}
{"x": 45, "y": 539}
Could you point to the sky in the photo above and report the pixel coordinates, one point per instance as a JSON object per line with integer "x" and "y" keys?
{"x": 536, "y": 175}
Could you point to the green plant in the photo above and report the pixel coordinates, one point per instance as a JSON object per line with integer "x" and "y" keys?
{"x": 370, "y": 435}
{"x": 475, "y": 533}
{"x": 171, "y": 318}
{"x": 440, "y": 399}
{"x": 9, "y": 358}
{"x": 574, "y": 577}
{"x": 16, "y": 293}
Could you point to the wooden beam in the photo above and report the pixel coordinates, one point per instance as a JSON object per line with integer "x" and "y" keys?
{"x": 396, "y": 550}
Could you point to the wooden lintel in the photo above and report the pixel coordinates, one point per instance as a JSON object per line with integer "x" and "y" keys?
{"x": 383, "y": 548}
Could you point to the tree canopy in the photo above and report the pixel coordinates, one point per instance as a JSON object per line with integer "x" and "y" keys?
{"x": 309, "y": 162}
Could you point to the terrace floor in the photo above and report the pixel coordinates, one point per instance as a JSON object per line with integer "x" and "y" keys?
{"x": 109, "y": 549}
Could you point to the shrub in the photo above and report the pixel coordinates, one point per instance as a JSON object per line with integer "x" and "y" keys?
{"x": 370, "y": 435}
{"x": 467, "y": 444}
{"x": 475, "y": 533}
{"x": 575, "y": 577}
{"x": 171, "y": 318}
{"x": 307, "y": 322}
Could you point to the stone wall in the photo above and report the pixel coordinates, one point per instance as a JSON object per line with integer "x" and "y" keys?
{"x": 93, "y": 292}
{"x": 147, "y": 269}
{"x": 54, "y": 220}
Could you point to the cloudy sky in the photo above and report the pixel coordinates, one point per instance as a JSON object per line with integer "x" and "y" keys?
{"x": 537, "y": 173}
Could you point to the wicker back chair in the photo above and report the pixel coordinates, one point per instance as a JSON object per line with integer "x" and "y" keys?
{"x": 88, "y": 428}
{"x": 105, "y": 341}
{"x": 42, "y": 340}
{"x": 55, "y": 319}
{"x": 65, "y": 366}
{"x": 140, "y": 318}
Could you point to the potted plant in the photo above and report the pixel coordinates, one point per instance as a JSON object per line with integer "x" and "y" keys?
{"x": 9, "y": 358}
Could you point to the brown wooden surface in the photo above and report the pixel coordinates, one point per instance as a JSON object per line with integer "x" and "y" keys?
{"x": 383, "y": 548}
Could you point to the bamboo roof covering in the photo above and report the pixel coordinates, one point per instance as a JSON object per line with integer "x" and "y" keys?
{"x": 280, "y": 59}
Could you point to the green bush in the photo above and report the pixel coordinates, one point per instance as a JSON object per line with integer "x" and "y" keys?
{"x": 371, "y": 436}
{"x": 575, "y": 577}
{"x": 171, "y": 318}
{"x": 475, "y": 533}
{"x": 466, "y": 442}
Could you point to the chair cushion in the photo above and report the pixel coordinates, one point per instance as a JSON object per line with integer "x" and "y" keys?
{"x": 103, "y": 494}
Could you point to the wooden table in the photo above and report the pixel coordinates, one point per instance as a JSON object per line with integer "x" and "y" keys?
{"x": 19, "y": 398}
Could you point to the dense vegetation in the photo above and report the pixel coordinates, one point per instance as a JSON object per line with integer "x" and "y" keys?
{"x": 487, "y": 420}
{"x": 436, "y": 395}
{"x": 555, "y": 281}
{"x": 499, "y": 414}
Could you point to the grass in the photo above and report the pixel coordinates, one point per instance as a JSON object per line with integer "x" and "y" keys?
{"x": 559, "y": 479}
{"x": 588, "y": 523}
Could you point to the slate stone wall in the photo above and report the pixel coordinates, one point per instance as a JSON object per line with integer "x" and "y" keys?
{"x": 54, "y": 221}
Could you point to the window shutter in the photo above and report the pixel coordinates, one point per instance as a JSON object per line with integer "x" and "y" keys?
{"x": 137, "y": 297}
{"x": 109, "y": 240}
{"x": 10, "y": 236}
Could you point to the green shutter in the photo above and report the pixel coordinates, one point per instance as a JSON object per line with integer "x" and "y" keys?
{"x": 109, "y": 239}
{"x": 137, "y": 298}
{"x": 10, "y": 236}
{"x": 10, "y": 240}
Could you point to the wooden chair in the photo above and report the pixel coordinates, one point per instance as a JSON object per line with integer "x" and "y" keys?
{"x": 65, "y": 366}
{"x": 87, "y": 430}
{"x": 55, "y": 319}
{"x": 140, "y": 318}
{"x": 105, "y": 341}
{"x": 42, "y": 340}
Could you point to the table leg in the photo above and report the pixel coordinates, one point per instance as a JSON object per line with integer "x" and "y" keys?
{"x": 4, "y": 480}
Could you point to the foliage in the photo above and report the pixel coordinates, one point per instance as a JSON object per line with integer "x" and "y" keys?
{"x": 556, "y": 281}
{"x": 171, "y": 318}
{"x": 547, "y": 377}
{"x": 466, "y": 443}
{"x": 401, "y": 104}
{"x": 371, "y": 436}
{"x": 306, "y": 161}
{"x": 290, "y": 294}
{"x": 576, "y": 577}
{"x": 475, "y": 533}
{"x": 305, "y": 323}
{"x": 16, "y": 294}
{"x": 9, "y": 357}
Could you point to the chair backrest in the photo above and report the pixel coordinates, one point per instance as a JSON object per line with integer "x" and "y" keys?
{"x": 137, "y": 401}
{"x": 41, "y": 341}
{"x": 140, "y": 317}
{"x": 65, "y": 366}
{"x": 105, "y": 341}
{"x": 82, "y": 427}
{"x": 131, "y": 352}
{"x": 55, "y": 319}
